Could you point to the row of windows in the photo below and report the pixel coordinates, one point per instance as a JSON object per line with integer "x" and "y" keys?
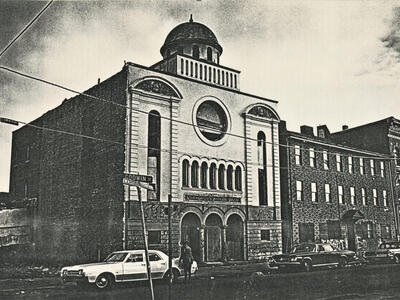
{"x": 340, "y": 161}
{"x": 208, "y": 73}
{"x": 211, "y": 177}
{"x": 352, "y": 197}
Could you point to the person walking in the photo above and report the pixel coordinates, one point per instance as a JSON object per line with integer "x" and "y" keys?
{"x": 186, "y": 259}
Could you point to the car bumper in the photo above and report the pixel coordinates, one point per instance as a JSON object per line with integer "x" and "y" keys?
{"x": 67, "y": 278}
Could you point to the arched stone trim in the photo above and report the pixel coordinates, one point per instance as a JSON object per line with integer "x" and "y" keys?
{"x": 190, "y": 209}
{"x": 234, "y": 211}
{"x": 213, "y": 210}
{"x": 183, "y": 157}
{"x": 262, "y": 111}
{"x": 156, "y": 85}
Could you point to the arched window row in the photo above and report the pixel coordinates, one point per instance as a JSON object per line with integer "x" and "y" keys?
{"x": 211, "y": 175}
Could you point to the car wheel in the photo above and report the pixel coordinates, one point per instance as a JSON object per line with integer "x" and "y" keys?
{"x": 307, "y": 266}
{"x": 104, "y": 281}
{"x": 397, "y": 259}
{"x": 175, "y": 275}
{"x": 342, "y": 263}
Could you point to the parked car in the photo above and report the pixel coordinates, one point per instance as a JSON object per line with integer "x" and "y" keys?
{"x": 123, "y": 266}
{"x": 387, "y": 252}
{"x": 311, "y": 255}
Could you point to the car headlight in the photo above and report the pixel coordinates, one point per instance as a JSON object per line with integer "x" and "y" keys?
{"x": 64, "y": 272}
{"x": 294, "y": 259}
{"x": 80, "y": 272}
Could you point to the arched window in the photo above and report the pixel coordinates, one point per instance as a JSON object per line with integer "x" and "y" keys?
{"x": 209, "y": 54}
{"x": 187, "y": 67}
{"x": 195, "y": 70}
{"x": 182, "y": 66}
{"x": 153, "y": 153}
{"x": 205, "y": 72}
{"x": 229, "y": 179}
{"x": 203, "y": 175}
{"x": 238, "y": 178}
{"x": 213, "y": 178}
{"x": 262, "y": 170}
{"x": 191, "y": 69}
{"x": 195, "y": 174}
{"x": 221, "y": 177}
{"x": 185, "y": 173}
{"x": 209, "y": 74}
{"x": 195, "y": 51}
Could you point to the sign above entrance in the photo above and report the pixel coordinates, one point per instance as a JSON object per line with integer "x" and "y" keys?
{"x": 211, "y": 197}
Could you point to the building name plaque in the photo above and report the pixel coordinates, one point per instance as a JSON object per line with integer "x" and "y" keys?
{"x": 211, "y": 197}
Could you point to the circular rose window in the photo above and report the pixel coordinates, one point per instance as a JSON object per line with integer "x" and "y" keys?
{"x": 212, "y": 122}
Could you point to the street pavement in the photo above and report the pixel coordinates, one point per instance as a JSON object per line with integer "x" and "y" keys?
{"x": 232, "y": 282}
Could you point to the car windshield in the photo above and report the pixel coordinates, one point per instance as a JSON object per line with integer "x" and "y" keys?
{"x": 115, "y": 257}
{"x": 303, "y": 248}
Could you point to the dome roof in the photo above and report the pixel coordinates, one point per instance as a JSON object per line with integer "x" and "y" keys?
{"x": 191, "y": 32}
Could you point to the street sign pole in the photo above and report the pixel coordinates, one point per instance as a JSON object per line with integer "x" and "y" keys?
{"x": 169, "y": 238}
{"x": 146, "y": 246}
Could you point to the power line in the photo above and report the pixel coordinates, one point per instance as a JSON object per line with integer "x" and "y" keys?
{"x": 26, "y": 28}
{"x": 378, "y": 156}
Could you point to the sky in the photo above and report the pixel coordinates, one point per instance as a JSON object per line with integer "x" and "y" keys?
{"x": 326, "y": 62}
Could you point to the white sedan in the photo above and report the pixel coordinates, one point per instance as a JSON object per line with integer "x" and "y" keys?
{"x": 123, "y": 266}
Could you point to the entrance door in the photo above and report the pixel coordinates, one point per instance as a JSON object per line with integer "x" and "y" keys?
{"x": 234, "y": 238}
{"x": 213, "y": 238}
{"x": 190, "y": 232}
{"x": 351, "y": 237}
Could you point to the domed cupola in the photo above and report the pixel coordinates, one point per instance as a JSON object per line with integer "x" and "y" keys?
{"x": 193, "y": 39}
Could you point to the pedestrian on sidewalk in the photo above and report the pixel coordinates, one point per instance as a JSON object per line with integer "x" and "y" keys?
{"x": 186, "y": 259}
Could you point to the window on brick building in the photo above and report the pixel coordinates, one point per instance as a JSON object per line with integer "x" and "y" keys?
{"x": 363, "y": 197}
{"x": 312, "y": 158}
{"x": 154, "y": 237}
{"x": 221, "y": 177}
{"x": 340, "y": 194}
{"x": 334, "y": 231}
{"x": 362, "y": 168}
{"x": 372, "y": 167}
{"x": 366, "y": 230}
{"x": 185, "y": 172}
{"x": 299, "y": 190}
{"x": 328, "y": 193}
{"x": 265, "y": 234}
{"x": 326, "y": 159}
{"x": 306, "y": 232}
{"x": 195, "y": 174}
{"x": 375, "y": 196}
{"x": 339, "y": 166}
{"x": 352, "y": 196}
{"x": 297, "y": 154}
{"x": 314, "y": 194}
{"x": 203, "y": 177}
{"x": 213, "y": 176}
{"x": 370, "y": 230}
{"x": 238, "y": 178}
{"x": 386, "y": 232}
{"x": 350, "y": 164}
{"x": 229, "y": 178}
{"x": 385, "y": 200}
{"x": 382, "y": 169}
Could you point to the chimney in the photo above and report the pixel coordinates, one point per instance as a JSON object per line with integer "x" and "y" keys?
{"x": 344, "y": 127}
{"x": 307, "y": 130}
{"x": 282, "y": 126}
{"x": 323, "y": 132}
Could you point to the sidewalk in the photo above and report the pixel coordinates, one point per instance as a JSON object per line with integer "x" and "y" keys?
{"x": 205, "y": 272}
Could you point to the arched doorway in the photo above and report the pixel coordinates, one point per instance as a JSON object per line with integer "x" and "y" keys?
{"x": 234, "y": 238}
{"x": 190, "y": 231}
{"x": 213, "y": 238}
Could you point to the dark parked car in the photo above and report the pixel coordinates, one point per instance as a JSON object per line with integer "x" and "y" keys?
{"x": 312, "y": 255}
{"x": 387, "y": 252}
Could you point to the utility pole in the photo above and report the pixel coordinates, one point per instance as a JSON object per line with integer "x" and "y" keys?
{"x": 146, "y": 246}
{"x": 169, "y": 238}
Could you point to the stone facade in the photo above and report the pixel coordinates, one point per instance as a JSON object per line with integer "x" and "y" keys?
{"x": 317, "y": 218}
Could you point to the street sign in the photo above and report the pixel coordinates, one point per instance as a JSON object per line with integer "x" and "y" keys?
{"x": 138, "y": 177}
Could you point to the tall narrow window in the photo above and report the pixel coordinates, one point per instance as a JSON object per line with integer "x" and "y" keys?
{"x": 238, "y": 178}
{"x": 299, "y": 190}
{"x": 231, "y": 79}
{"x": 195, "y": 51}
{"x": 262, "y": 174}
{"x": 195, "y": 70}
{"x": 229, "y": 179}
{"x": 385, "y": 200}
{"x": 235, "y": 81}
{"x": 209, "y": 74}
{"x": 191, "y": 69}
{"x": 326, "y": 159}
{"x": 218, "y": 76}
{"x": 213, "y": 176}
{"x": 352, "y": 196}
{"x": 328, "y": 193}
{"x": 182, "y": 66}
{"x": 201, "y": 71}
{"x": 297, "y": 154}
{"x": 205, "y": 72}
{"x": 227, "y": 80}
{"x": 350, "y": 164}
{"x": 370, "y": 230}
{"x": 195, "y": 174}
{"x": 187, "y": 67}
{"x": 26, "y": 190}
{"x": 363, "y": 197}
{"x": 209, "y": 54}
{"x": 203, "y": 175}
{"x": 340, "y": 194}
{"x": 362, "y": 169}
{"x": 382, "y": 169}
{"x": 314, "y": 194}
{"x": 185, "y": 173}
{"x": 221, "y": 177}
{"x": 339, "y": 167}
{"x": 28, "y": 152}
{"x": 154, "y": 153}
{"x": 375, "y": 195}
{"x": 214, "y": 76}
{"x": 312, "y": 157}
{"x": 372, "y": 166}
{"x": 223, "y": 78}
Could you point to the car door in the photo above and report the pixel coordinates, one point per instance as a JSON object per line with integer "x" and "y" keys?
{"x": 319, "y": 257}
{"x": 157, "y": 264}
{"x": 331, "y": 256}
{"x": 134, "y": 267}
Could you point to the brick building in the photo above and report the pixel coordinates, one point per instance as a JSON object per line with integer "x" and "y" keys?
{"x": 332, "y": 192}
{"x": 181, "y": 121}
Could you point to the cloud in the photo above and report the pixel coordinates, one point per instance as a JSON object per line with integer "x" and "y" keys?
{"x": 392, "y": 39}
